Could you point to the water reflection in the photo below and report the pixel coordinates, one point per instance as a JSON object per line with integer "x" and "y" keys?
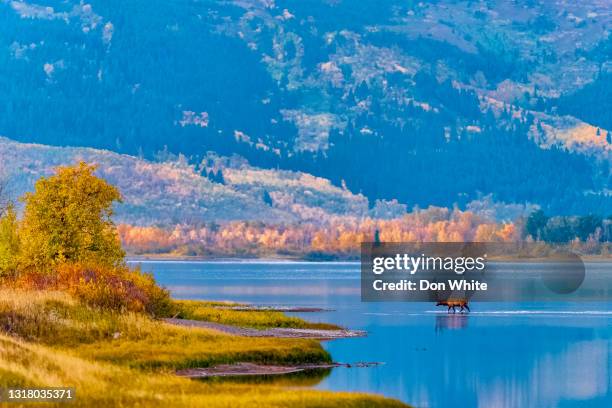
{"x": 500, "y": 355}
{"x": 576, "y": 376}
{"x": 484, "y": 360}
{"x": 306, "y": 378}
{"x": 451, "y": 322}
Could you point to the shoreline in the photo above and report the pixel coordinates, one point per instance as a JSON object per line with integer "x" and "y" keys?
{"x": 251, "y": 369}
{"x": 201, "y": 259}
{"x": 297, "y": 261}
{"x": 275, "y": 332}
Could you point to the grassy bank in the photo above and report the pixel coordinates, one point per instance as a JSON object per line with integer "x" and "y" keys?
{"x": 133, "y": 339}
{"x": 127, "y": 359}
{"x": 259, "y": 319}
{"x": 102, "y": 384}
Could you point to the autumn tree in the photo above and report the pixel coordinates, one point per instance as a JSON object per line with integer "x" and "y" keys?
{"x": 5, "y": 201}
{"x": 68, "y": 219}
{"x": 9, "y": 241}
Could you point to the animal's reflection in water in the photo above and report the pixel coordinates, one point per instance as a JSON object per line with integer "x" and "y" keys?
{"x": 451, "y": 322}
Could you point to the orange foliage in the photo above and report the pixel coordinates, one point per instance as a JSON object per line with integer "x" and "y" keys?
{"x": 117, "y": 288}
{"x": 339, "y": 236}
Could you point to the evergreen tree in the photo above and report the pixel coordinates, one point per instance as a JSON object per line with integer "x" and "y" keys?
{"x": 536, "y": 223}
{"x": 219, "y": 177}
{"x": 267, "y": 198}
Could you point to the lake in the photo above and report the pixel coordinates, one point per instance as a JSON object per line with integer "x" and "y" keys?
{"x": 500, "y": 355}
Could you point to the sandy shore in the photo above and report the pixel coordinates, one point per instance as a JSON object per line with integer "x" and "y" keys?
{"x": 255, "y": 308}
{"x": 246, "y": 369}
{"x": 277, "y": 332}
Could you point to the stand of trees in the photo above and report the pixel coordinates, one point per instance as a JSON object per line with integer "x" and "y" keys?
{"x": 563, "y": 229}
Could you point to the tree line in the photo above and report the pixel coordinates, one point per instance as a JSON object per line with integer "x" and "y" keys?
{"x": 563, "y": 229}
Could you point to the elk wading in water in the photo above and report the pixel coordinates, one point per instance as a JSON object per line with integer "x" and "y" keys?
{"x": 452, "y": 304}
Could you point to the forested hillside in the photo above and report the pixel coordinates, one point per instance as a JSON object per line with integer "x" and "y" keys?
{"x": 429, "y": 103}
{"x": 175, "y": 192}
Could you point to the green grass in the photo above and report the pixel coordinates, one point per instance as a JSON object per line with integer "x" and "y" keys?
{"x": 259, "y": 319}
{"x": 49, "y": 339}
{"x": 55, "y": 319}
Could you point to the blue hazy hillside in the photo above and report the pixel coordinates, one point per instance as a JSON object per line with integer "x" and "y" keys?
{"x": 424, "y": 102}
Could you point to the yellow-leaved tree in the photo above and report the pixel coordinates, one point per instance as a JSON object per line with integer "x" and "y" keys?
{"x": 68, "y": 219}
{"x": 9, "y": 241}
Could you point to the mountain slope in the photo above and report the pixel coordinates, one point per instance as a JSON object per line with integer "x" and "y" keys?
{"x": 395, "y": 99}
{"x": 174, "y": 192}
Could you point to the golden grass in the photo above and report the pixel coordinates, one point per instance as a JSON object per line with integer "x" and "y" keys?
{"x": 111, "y": 359}
{"x": 102, "y": 384}
{"x": 259, "y": 319}
{"x": 55, "y": 319}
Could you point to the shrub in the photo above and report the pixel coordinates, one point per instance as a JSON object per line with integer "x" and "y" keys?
{"x": 117, "y": 288}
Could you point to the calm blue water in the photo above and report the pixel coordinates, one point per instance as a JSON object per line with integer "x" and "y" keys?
{"x": 500, "y": 355}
